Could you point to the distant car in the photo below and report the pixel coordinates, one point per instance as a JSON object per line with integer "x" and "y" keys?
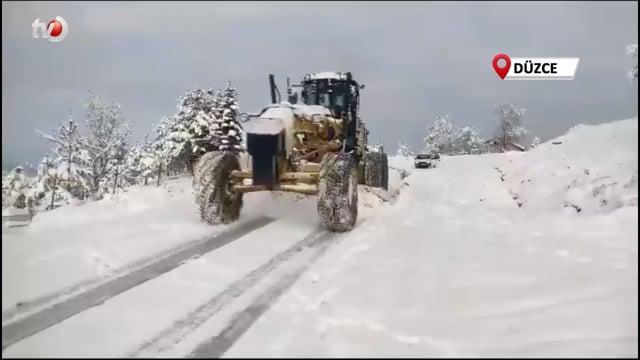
{"x": 426, "y": 161}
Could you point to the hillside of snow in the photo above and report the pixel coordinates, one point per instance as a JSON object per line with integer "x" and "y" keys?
{"x": 591, "y": 169}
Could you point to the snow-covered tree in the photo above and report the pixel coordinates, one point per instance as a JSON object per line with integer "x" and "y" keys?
{"x": 132, "y": 172}
{"x": 191, "y": 130}
{"x": 16, "y": 186}
{"x": 6, "y": 190}
{"x": 403, "y": 150}
{"x": 142, "y": 162}
{"x": 71, "y": 159}
{"x": 535, "y": 142}
{"x": 510, "y": 128}
{"x": 166, "y": 154}
{"x": 108, "y": 134}
{"x": 632, "y": 50}
{"x": 441, "y": 136}
{"x": 115, "y": 178}
{"x": 228, "y": 125}
{"x": 48, "y": 188}
{"x": 468, "y": 141}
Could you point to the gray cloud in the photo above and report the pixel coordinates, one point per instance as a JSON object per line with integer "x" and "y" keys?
{"x": 418, "y": 60}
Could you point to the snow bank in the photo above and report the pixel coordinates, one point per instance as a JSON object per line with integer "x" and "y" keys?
{"x": 13, "y": 217}
{"x": 401, "y": 164}
{"x": 592, "y": 169}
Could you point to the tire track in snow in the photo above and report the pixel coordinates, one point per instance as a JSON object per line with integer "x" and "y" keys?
{"x": 61, "y": 311}
{"x": 192, "y": 321}
{"x": 25, "y": 307}
{"x": 243, "y": 320}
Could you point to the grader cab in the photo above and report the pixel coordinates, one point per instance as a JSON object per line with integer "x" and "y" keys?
{"x": 315, "y": 144}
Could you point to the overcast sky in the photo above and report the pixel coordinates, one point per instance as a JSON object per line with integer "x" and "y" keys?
{"x": 417, "y": 60}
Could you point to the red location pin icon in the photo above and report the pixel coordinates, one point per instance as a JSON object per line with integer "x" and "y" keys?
{"x": 502, "y": 71}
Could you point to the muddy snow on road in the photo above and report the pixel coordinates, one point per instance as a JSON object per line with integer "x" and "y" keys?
{"x": 513, "y": 254}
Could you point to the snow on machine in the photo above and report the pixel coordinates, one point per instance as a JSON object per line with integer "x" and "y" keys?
{"x": 314, "y": 144}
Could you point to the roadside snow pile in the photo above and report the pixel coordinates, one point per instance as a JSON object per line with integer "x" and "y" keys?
{"x": 591, "y": 169}
{"x": 14, "y": 217}
{"x": 403, "y": 165}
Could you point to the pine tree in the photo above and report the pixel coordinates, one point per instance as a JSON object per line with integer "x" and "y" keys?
{"x": 115, "y": 178}
{"x": 229, "y": 127}
{"x": 167, "y": 154}
{"x": 191, "y": 129}
{"x": 132, "y": 164}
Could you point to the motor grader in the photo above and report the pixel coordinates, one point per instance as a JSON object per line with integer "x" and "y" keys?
{"x": 315, "y": 143}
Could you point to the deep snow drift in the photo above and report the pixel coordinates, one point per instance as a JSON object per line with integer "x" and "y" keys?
{"x": 591, "y": 169}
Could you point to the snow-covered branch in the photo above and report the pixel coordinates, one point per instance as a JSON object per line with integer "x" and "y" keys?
{"x": 632, "y": 50}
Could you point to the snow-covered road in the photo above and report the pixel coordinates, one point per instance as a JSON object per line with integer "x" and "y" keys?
{"x": 454, "y": 267}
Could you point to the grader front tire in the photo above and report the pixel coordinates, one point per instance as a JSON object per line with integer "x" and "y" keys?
{"x": 218, "y": 203}
{"x": 338, "y": 191}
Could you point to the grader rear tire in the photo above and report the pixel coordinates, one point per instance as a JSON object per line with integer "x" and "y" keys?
{"x": 373, "y": 169}
{"x": 385, "y": 171}
{"x": 360, "y": 167}
{"x": 218, "y": 203}
{"x": 338, "y": 191}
